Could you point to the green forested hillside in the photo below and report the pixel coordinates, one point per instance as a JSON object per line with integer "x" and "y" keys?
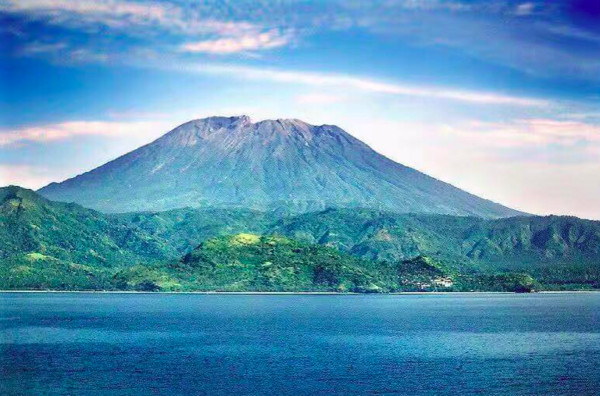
{"x": 184, "y": 229}
{"x": 45, "y": 244}
{"x": 556, "y": 249}
{"x": 50, "y": 245}
{"x": 250, "y": 262}
{"x": 30, "y": 224}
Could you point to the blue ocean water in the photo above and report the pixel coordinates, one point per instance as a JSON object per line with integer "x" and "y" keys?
{"x": 61, "y": 343}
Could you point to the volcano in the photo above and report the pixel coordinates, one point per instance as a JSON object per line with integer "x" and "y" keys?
{"x": 284, "y": 165}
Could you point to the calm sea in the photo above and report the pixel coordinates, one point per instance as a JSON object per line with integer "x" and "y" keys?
{"x": 55, "y": 343}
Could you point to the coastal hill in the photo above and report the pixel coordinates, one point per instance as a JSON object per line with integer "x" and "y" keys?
{"x": 284, "y": 165}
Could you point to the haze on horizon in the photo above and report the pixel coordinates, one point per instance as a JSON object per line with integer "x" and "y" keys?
{"x": 500, "y": 98}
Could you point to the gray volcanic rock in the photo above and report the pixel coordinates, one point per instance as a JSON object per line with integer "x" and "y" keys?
{"x": 273, "y": 164}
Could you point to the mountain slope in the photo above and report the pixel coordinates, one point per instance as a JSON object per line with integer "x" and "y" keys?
{"x": 272, "y": 164}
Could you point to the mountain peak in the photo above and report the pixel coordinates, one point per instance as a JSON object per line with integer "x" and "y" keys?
{"x": 245, "y": 121}
{"x": 233, "y": 131}
{"x": 224, "y": 121}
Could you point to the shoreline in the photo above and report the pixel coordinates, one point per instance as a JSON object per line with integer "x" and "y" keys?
{"x": 309, "y": 293}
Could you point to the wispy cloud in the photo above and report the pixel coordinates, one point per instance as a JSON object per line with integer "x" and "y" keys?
{"x": 536, "y": 133}
{"x": 493, "y": 31}
{"x": 522, "y": 36}
{"x": 571, "y": 32}
{"x": 84, "y": 55}
{"x": 127, "y": 16}
{"x": 581, "y": 115}
{"x": 70, "y": 129}
{"x": 363, "y": 84}
{"x": 62, "y": 52}
{"x": 114, "y": 13}
{"x": 172, "y": 26}
{"x": 256, "y": 41}
{"x": 38, "y": 47}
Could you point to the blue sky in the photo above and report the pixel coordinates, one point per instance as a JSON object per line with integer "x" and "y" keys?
{"x": 501, "y": 98}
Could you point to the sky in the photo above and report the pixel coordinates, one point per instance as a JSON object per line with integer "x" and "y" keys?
{"x": 500, "y": 98}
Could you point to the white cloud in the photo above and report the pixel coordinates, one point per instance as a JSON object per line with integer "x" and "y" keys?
{"x": 363, "y": 84}
{"x": 525, "y": 9}
{"x": 70, "y": 129}
{"x": 255, "y": 41}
